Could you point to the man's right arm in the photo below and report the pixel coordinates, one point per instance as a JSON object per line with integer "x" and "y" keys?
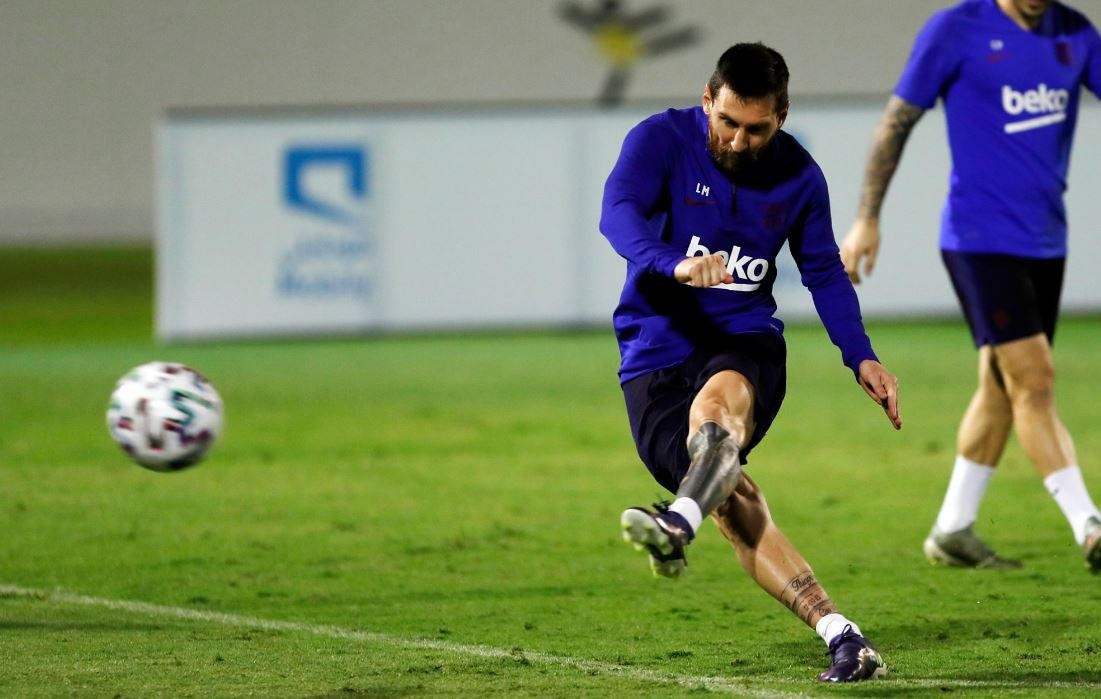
{"x": 862, "y": 241}
{"x": 634, "y": 195}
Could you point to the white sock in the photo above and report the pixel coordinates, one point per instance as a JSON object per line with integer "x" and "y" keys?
{"x": 690, "y": 510}
{"x": 830, "y": 626}
{"x": 1069, "y": 490}
{"x": 966, "y": 489}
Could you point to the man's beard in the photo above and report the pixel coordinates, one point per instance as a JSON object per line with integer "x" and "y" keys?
{"x": 725, "y": 157}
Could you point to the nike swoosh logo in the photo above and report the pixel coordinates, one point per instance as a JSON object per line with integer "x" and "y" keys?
{"x": 698, "y": 202}
{"x": 737, "y": 287}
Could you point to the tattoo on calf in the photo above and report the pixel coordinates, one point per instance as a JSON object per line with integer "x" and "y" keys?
{"x": 806, "y": 598}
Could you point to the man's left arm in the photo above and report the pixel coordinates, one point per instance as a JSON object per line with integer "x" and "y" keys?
{"x": 815, "y": 252}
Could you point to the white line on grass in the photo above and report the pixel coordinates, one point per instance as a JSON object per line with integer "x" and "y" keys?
{"x": 733, "y": 685}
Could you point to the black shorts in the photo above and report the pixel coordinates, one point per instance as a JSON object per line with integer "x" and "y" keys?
{"x": 1005, "y": 297}
{"x": 658, "y": 402}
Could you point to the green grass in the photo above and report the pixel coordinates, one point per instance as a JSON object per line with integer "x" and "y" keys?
{"x": 75, "y": 295}
{"x": 458, "y": 497}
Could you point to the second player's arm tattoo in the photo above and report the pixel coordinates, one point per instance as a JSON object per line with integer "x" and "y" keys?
{"x": 806, "y": 598}
{"x": 890, "y": 136}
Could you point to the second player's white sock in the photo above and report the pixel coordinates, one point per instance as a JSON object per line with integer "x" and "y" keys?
{"x": 690, "y": 510}
{"x": 1069, "y": 490}
{"x": 966, "y": 489}
{"x": 831, "y": 626}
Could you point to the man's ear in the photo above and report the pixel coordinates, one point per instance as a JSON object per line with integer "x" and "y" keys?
{"x": 705, "y": 101}
{"x": 782, "y": 117}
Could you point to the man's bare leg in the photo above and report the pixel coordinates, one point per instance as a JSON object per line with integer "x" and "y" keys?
{"x": 780, "y": 570}
{"x": 984, "y": 429}
{"x": 720, "y": 422}
{"x": 1029, "y": 371}
{"x": 768, "y": 556}
{"x": 981, "y": 439}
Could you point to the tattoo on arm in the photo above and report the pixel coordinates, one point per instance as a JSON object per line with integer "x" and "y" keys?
{"x": 806, "y": 598}
{"x": 890, "y": 136}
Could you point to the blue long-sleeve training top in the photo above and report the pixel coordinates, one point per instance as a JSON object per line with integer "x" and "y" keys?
{"x": 665, "y": 200}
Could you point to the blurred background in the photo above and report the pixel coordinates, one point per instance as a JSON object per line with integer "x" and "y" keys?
{"x": 180, "y": 174}
{"x": 291, "y": 158}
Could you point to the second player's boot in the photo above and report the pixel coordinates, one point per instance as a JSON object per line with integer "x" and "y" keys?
{"x": 964, "y": 549}
{"x": 1091, "y": 547}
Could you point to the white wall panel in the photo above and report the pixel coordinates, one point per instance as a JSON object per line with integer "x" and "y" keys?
{"x": 488, "y": 218}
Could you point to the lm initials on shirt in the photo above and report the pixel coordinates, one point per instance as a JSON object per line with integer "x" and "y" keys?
{"x": 748, "y": 269}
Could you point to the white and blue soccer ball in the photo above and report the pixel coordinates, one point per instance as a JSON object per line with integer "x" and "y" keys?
{"x": 165, "y": 416}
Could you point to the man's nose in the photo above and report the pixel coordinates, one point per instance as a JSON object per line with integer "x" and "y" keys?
{"x": 739, "y": 142}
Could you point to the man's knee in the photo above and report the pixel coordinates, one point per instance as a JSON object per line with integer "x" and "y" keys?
{"x": 1028, "y": 372}
{"x": 726, "y": 399}
{"x": 1034, "y": 390}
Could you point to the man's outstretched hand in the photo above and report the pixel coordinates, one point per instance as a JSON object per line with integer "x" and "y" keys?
{"x": 882, "y": 386}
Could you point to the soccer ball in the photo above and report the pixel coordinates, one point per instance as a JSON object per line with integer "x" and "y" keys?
{"x": 165, "y": 416}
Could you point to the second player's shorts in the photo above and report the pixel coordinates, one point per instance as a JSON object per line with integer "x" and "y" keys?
{"x": 1005, "y": 297}
{"x": 658, "y": 402}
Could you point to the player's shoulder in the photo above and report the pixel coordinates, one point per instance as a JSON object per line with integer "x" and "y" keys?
{"x": 941, "y": 33}
{"x": 665, "y": 131}
{"x": 671, "y": 123}
{"x": 792, "y": 162}
{"x": 794, "y": 155}
{"x": 651, "y": 144}
{"x": 967, "y": 9}
{"x": 951, "y": 18}
{"x": 1068, "y": 20}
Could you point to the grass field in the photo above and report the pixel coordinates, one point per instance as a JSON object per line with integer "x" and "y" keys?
{"x": 438, "y": 516}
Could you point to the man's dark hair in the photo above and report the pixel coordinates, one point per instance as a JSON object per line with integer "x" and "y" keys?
{"x": 752, "y": 71}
